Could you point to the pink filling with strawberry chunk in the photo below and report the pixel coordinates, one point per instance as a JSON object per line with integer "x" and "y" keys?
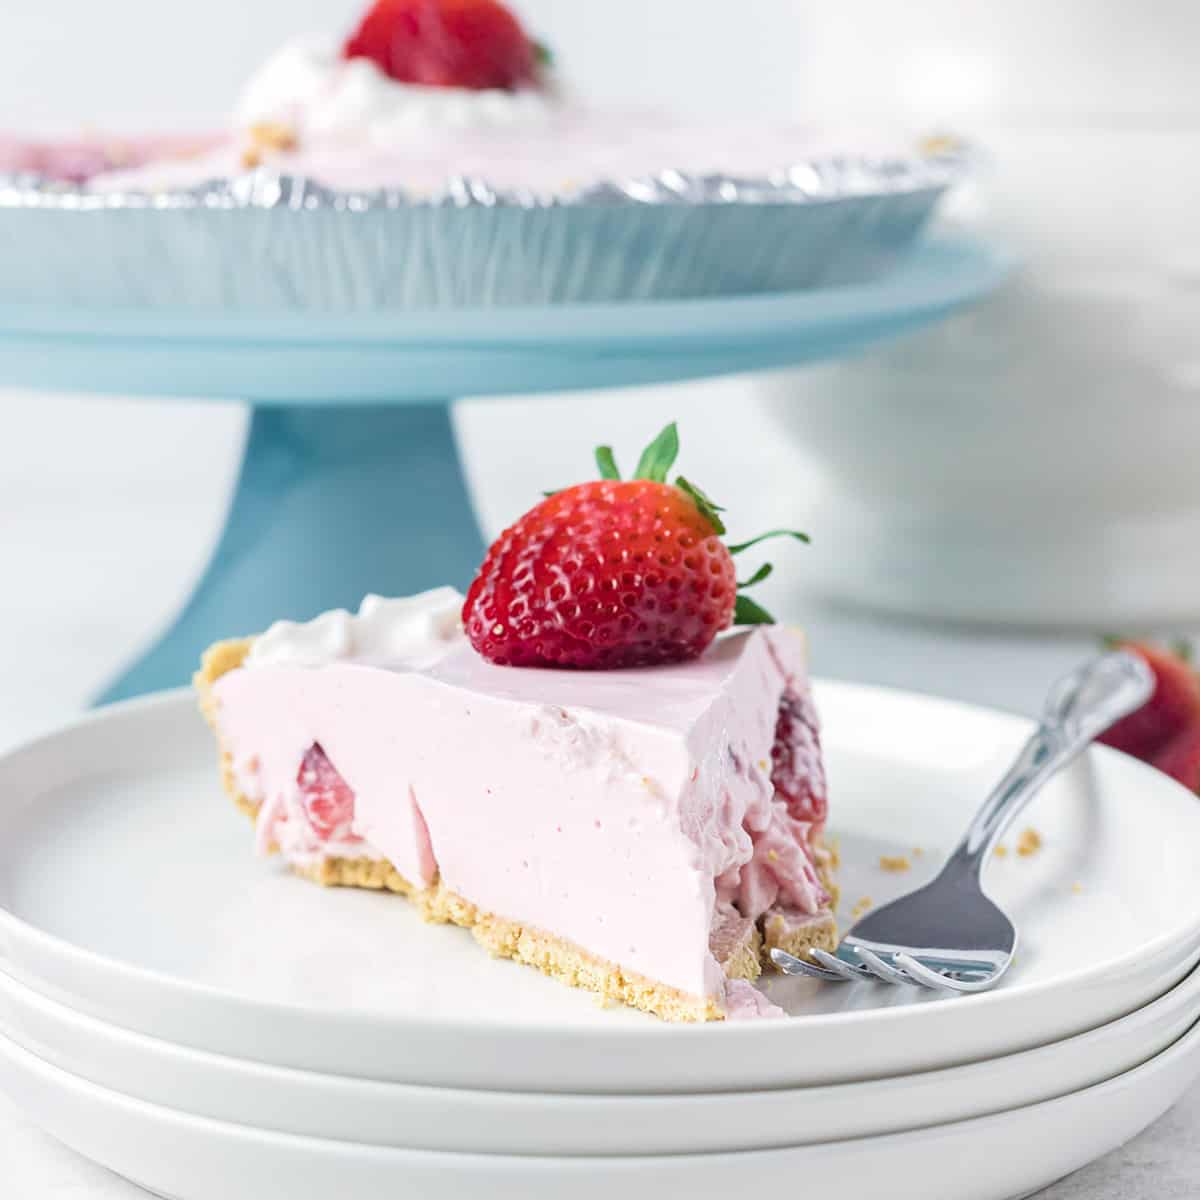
{"x": 784, "y": 821}
{"x": 310, "y": 819}
{"x": 797, "y": 771}
{"x": 326, "y": 796}
{"x": 783, "y": 828}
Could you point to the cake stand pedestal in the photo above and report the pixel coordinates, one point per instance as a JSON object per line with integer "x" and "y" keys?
{"x": 351, "y": 481}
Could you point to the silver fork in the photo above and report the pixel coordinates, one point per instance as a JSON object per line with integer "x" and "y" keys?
{"x": 948, "y": 934}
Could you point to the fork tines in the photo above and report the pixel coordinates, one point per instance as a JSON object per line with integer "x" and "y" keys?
{"x": 870, "y": 966}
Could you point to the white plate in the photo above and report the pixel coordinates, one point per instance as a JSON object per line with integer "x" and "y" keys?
{"x": 991, "y": 1158}
{"x": 128, "y": 889}
{"x": 555, "y": 1123}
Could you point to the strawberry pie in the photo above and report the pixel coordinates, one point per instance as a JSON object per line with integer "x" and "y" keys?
{"x": 604, "y": 761}
{"x": 425, "y": 92}
{"x": 1165, "y": 731}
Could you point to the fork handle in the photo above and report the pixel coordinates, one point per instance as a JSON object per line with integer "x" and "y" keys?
{"x": 1078, "y": 709}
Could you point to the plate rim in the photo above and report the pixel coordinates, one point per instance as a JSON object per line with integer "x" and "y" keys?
{"x": 1187, "y": 1043}
{"x": 57, "y": 1010}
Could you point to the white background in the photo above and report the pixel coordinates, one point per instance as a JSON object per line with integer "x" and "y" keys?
{"x": 158, "y": 62}
{"x": 108, "y": 507}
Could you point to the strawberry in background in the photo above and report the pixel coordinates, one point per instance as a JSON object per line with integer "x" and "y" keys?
{"x": 1165, "y": 731}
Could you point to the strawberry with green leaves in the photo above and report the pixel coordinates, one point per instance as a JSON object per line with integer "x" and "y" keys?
{"x": 613, "y": 573}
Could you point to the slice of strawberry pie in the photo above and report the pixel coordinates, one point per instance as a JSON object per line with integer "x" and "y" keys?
{"x": 572, "y": 763}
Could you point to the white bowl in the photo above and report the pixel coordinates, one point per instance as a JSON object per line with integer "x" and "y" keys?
{"x": 990, "y": 1158}
{"x": 1031, "y": 461}
{"x": 495, "y": 1122}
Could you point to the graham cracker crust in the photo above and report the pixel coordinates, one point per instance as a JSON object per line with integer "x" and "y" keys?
{"x": 219, "y": 659}
{"x": 502, "y": 937}
{"x": 820, "y": 932}
{"x": 374, "y": 874}
{"x": 564, "y": 961}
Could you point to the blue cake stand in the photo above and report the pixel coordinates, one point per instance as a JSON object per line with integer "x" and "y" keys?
{"x": 351, "y": 480}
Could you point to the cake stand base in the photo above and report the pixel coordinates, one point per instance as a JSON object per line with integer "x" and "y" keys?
{"x": 331, "y": 503}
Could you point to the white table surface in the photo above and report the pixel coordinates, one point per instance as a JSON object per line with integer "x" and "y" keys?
{"x": 108, "y": 509}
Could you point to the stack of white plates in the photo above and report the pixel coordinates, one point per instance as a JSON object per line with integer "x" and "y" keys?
{"x": 215, "y": 1029}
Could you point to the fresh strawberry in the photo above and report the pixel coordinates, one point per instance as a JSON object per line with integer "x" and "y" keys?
{"x": 1173, "y": 708}
{"x": 796, "y": 769}
{"x": 327, "y": 797}
{"x": 1180, "y": 758}
{"x": 613, "y": 573}
{"x": 447, "y": 43}
{"x": 606, "y": 574}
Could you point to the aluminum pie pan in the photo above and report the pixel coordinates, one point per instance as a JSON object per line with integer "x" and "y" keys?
{"x": 265, "y": 242}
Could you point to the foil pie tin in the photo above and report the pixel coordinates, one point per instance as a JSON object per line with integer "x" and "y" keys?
{"x": 263, "y": 242}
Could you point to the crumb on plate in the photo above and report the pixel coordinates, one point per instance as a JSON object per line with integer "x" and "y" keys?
{"x": 939, "y": 143}
{"x": 894, "y": 862}
{"x": 1030, "y": 842}
{"x": 1001, "y": 851}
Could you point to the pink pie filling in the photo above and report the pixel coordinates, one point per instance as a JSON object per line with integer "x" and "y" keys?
{"x": 624, "y": 811}
{"x": 81, "y": 159}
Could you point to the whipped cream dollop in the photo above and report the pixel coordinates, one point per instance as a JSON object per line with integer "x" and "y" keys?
{"x": 414, "y": 631}
{"x": 308, "y": 86}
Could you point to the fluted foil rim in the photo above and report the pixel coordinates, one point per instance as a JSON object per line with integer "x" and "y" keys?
{"x": 813, "y": 181}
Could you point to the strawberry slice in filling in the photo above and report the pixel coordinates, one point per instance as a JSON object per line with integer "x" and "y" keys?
{"x": 326, "y": 797}
{"x": 779, "y": 883}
